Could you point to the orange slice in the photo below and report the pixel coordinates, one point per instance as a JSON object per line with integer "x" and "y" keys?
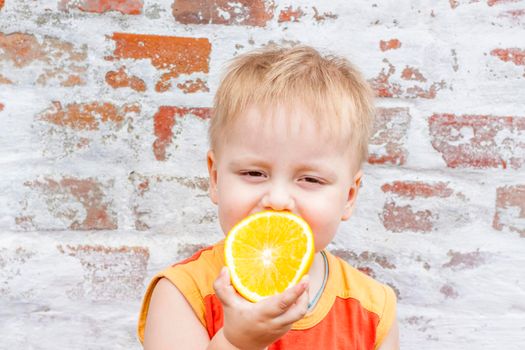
{"x": 268, "y": 252}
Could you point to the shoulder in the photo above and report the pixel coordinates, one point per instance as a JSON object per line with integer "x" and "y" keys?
{"x": 206, "y": 262}
{"x": 356, "y": 284}
{"x": 374, "y": 296}
{"x": 194, "y": 276}
{"x": 191, "y": 279}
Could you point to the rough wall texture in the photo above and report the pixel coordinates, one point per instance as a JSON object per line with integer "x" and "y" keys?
{"x": 104, "y": 107}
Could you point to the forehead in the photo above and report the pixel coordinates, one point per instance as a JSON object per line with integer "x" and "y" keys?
{"x": 285, "y": 122}
{"x": 293, "y": 132}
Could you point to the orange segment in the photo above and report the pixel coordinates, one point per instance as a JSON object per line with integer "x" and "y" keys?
{"x": 268, "y": 252}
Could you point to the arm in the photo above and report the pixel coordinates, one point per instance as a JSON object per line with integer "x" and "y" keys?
{"x": 391, "y": 341}
{"x": 168, "y": 307}
{"x": 172, "y": 324}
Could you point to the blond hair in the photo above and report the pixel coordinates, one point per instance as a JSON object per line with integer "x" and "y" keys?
{"x": 329, "y": 87}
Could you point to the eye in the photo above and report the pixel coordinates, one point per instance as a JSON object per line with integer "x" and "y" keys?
{"x": 252, "y": 173}
{"x": 312, "y": 180}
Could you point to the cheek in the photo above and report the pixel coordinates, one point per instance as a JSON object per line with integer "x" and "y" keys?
{"x": 324, "y": 217}
{"x": 324, "y": 230}
{"x": 234, "y": 204}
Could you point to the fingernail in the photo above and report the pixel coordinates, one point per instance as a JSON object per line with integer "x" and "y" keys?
{"x": 305, "y": 279}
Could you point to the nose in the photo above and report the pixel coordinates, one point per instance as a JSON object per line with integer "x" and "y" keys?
{"x": 278, "y": 197}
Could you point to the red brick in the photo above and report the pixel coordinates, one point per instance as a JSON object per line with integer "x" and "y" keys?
{"x": 384, "y": 87}
{"x": 398, "y": 218}
{"x": 87, "y": 116}
{"x": 514, "y": 55}
{"x": 110, "y": 273}
{"x": 62, "y": 61}
{"x": 462, "y": 261}
{"x": 127, "y": 7}
{"x": 289, "y": 14}
{"x": 240, "y": 12}
{"x": 413, "y": 189}
{"x": 391, "y": 44}
{"x": 323, "y": 17}
{"x": 510, "y": 209}
{"x": 120, "y": 78}
{"x": 11, "y": 264}
{"x": 187, "y": 250}
{"x": 449, "y": 292}
{"x": 513, "y": 14}
{"x": 479, "y": 141}
{"x": 4, "y": 80}
{"x": 416, "y": 206}
{"x": 453, "y": 3}
{"x": 365, "y": 261}
{"x": 423, "y": 323}
{"x": 63, "y": 197}
{"x": 170, "y": 54}
{"x": 192, "y": 86}
{"x": 164, "y": 121}
{"x": 1, "y": 107}
{"x": 21, "y": 49}
{"x": 497, "y": 2}
{"x": 456, "y": 3}
{"x": 143, "y": 183}
{"x": 91, "y": 126}
{"x": 410, "y": 73}
{"x": 389, "y": 135}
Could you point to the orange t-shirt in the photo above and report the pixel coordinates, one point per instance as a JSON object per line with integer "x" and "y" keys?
{"x": 354, "y": 311}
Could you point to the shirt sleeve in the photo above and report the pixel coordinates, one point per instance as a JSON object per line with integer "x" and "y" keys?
{"x": 387, "y": 317}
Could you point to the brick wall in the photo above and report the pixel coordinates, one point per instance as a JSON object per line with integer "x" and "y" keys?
{"x": 104, "y": 107}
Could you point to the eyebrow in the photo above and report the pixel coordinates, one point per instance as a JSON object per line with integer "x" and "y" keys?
{"x": 307, "y": 167}
{"x": 239, "y": 162}
{"x": 302, "y": 167}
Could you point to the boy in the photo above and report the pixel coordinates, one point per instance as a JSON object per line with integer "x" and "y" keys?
{"x": 289, "y": 132}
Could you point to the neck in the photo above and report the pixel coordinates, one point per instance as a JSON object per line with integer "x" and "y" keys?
{"x": 317, "y": 275}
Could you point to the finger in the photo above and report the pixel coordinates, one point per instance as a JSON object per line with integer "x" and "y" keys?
{"x": 296, "y": 312}
{"x": 223, "y": 288}
{"x": 278, "y": 304}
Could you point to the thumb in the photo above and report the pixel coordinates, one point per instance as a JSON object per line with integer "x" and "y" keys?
{"x": 223, "y": 287}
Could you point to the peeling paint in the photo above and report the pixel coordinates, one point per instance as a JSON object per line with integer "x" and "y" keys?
{"x": 109, "y": 272}
{"x": 126, "y": 7}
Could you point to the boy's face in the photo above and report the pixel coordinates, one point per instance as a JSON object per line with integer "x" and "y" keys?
{"x": 283, "y": 163}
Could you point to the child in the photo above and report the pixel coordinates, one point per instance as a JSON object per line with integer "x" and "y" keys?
{"x": 289, "y": 132}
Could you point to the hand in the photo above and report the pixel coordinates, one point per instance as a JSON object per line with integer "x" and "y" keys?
{"x": 254, "y": 326}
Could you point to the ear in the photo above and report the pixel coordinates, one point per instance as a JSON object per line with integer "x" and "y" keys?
{"x": 352, "y": 195}
{"x": 212, "y": 172}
